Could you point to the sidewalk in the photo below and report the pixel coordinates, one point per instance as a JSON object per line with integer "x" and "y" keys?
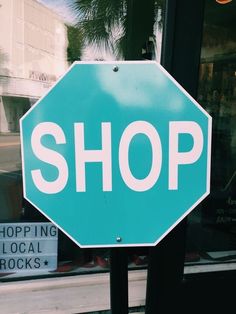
{"x": 9, "y": 139}
{"x": 65, "y": 295}
{"x": 9, "y": 134}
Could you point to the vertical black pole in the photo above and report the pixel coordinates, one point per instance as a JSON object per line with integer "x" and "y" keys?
{"x": 180, "y": 56}
{"x": 119, "y": 281}
{"x": 165, "y": 273}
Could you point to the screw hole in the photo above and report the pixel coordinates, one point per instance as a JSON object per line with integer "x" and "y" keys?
{"x": 118, "y": 239}
{"x": 115, "y": 68}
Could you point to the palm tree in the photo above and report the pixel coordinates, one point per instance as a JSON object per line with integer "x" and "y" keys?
{"x": 75, "y": 43}
{"x": 122, "y": 26}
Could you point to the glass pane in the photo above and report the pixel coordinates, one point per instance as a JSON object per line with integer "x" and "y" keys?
{"x": 39, "y": 40}
{"x": 212, "y": 228}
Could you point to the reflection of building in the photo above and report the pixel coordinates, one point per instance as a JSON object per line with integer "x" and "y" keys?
{"x": 32, "y": 56}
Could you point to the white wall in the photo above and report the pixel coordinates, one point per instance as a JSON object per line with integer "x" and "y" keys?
{"x": 33, "y": 55}
{"x": 33, "y": 41}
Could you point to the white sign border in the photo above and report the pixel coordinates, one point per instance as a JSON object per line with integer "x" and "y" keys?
{"x": 114, "y": 63}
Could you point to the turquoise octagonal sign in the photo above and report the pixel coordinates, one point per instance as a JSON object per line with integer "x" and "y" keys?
{"x": 116, "y": 154}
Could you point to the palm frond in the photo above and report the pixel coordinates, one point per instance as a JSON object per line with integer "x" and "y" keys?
{"x": 122, "y": 26}
{"x": 97, "y": 19}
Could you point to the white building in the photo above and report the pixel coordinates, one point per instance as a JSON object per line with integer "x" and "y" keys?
{"x": 33, "y": 46}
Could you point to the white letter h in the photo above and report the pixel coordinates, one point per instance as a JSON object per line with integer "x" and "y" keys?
{"x": 82, "y": 156}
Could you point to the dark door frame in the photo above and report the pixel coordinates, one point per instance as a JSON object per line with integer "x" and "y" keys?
{"x": 181, "y": 49}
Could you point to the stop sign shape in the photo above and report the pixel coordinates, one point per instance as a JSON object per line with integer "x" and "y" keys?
{"x": 116, "y": 154}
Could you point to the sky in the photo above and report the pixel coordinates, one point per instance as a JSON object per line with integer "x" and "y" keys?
{"x": 62, "y": 7}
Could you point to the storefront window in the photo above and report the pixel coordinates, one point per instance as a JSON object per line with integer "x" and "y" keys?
{"x": 39, "y": 40}
{"x": 212, "y": 226}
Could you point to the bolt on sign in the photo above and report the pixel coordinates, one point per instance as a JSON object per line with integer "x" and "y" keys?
{"x": 116, "y": 154}
{"x": 28, "y": 247}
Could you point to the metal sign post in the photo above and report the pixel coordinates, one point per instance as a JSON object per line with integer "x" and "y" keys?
{"x": 119, "y": 295}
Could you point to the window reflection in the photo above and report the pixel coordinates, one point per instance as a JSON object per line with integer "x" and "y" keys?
{"x": 33, "y": 56}
{"x": 38, "y": 42}
{"x": 212, "y": 228}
